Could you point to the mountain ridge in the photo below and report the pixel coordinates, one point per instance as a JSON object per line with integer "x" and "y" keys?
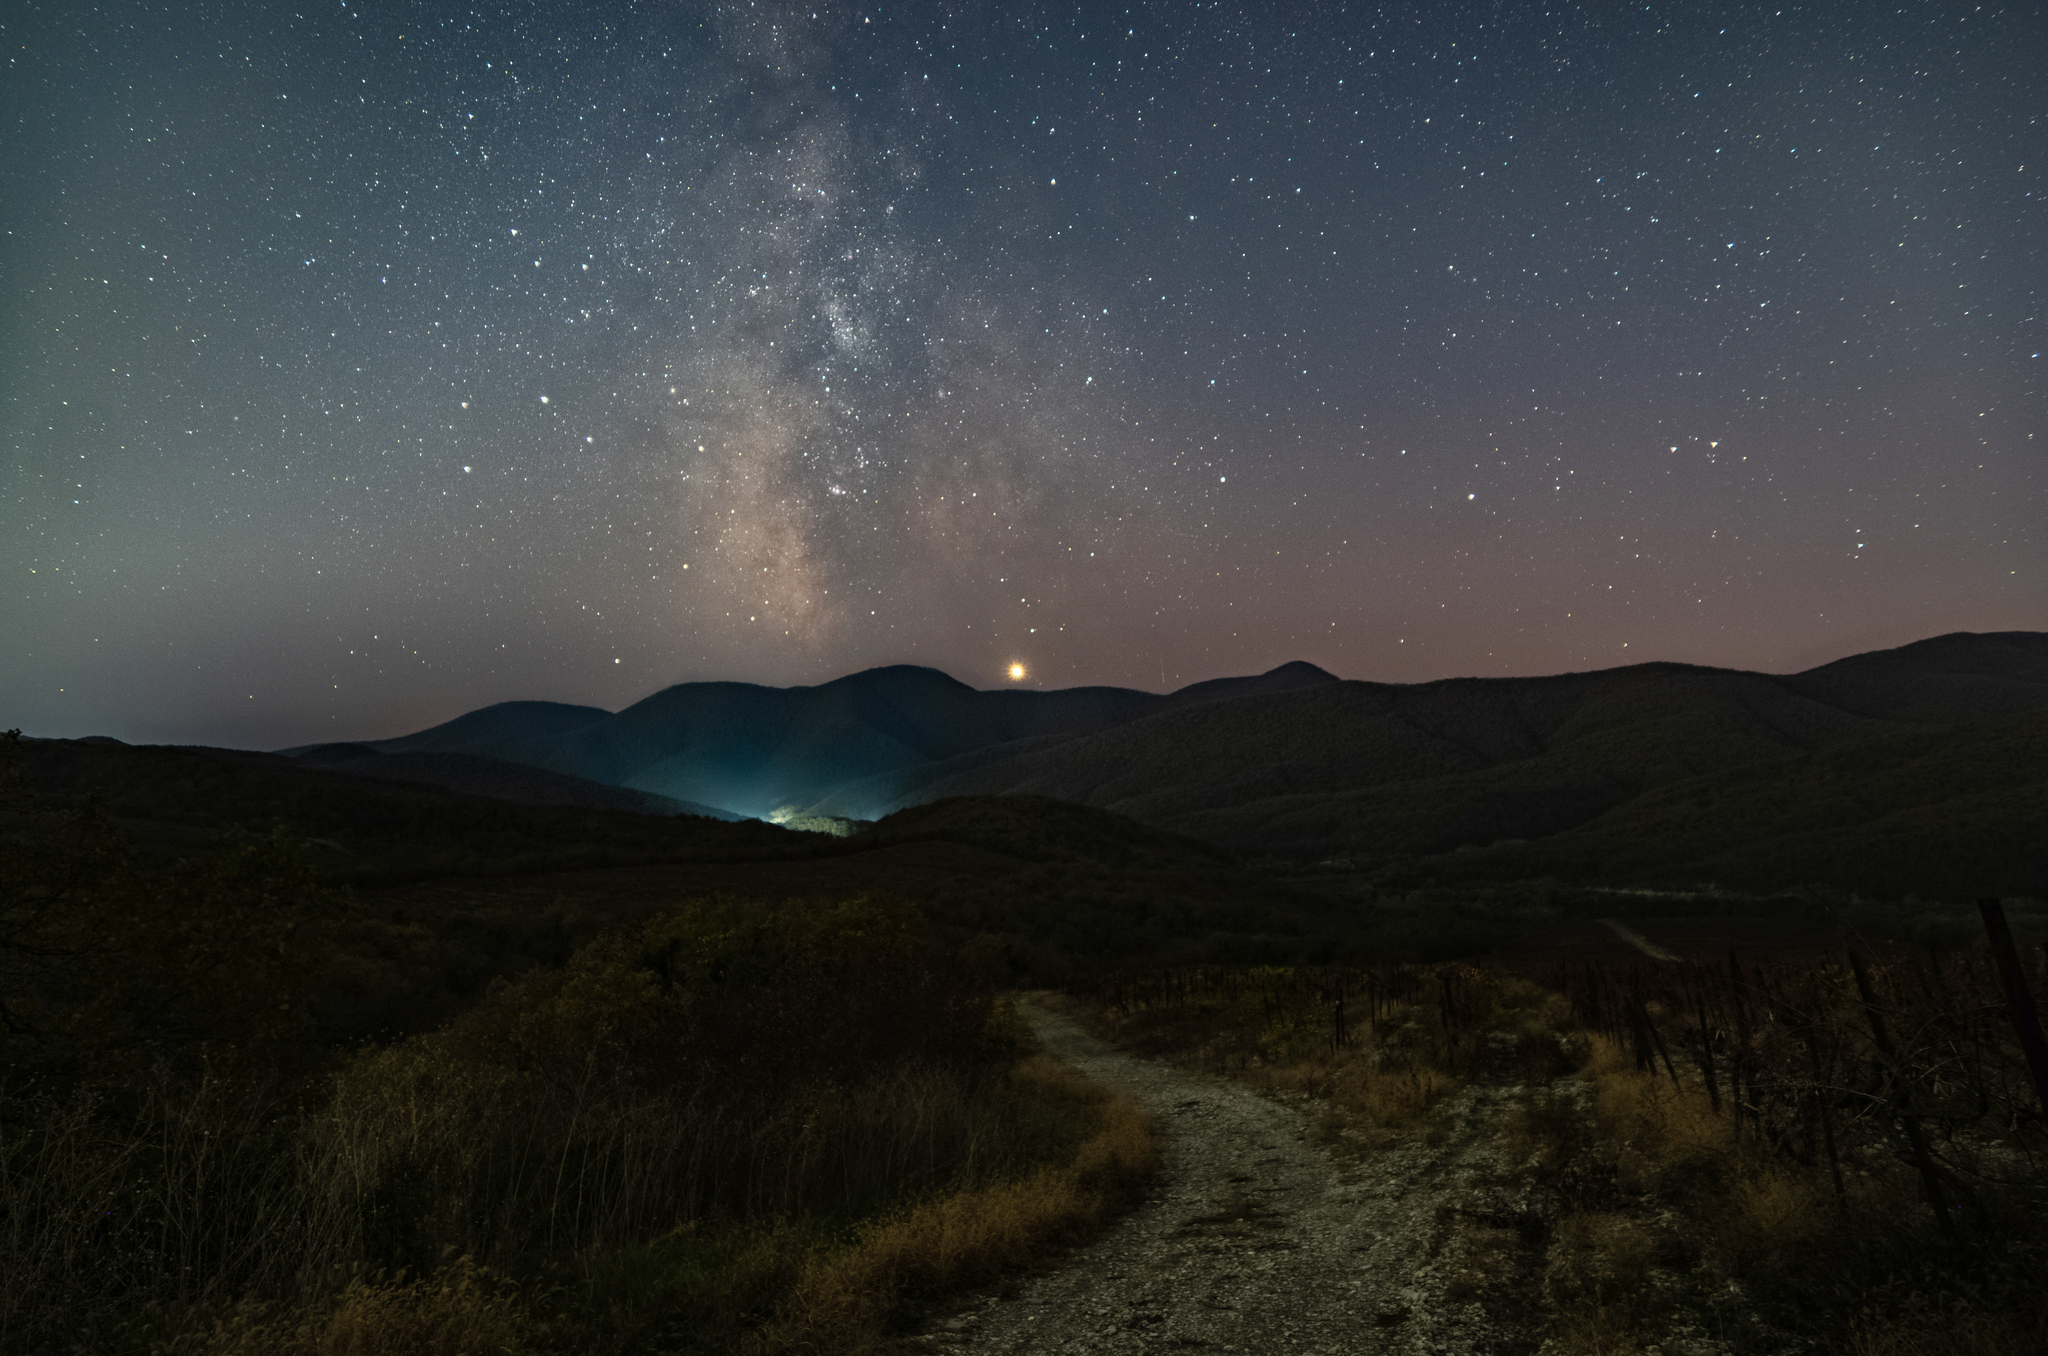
{"x": 1295, "y": 761}
{"x": 752, "y": 749}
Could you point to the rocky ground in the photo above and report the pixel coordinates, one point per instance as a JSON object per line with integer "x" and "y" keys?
{"x": 1259, "y": 1240}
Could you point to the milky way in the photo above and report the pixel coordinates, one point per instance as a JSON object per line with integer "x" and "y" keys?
{"x": 365, "y": 366}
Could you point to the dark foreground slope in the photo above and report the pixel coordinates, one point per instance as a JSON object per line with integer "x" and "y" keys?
{"x": 450, "y": 890}
{"x": 498, "y": 778}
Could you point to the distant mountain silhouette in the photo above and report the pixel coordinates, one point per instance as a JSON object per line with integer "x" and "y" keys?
{"x": 754, "y": 749}
{"x": 1284, "y": 818}
{"x": 1298, "y": 762}
{"x": 1959, "y": 674}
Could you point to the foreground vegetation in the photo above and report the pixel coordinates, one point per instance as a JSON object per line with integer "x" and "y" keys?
{"x": 418, "y": 1072}
{"x": 1846, "y": 1153}
{"x": 733, "y": 1124}
{"x": 737, "y": 1126}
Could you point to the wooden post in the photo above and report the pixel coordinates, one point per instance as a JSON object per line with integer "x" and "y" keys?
{"x": 2025, "y": 1019}
{"x": 1643, "y": 1010}
{"x": 1827, "y": 1123}
{"x": 1740, "y": 1069}
{"x": 1639, "y": 1040}
{"x": 1706, "y": 1051}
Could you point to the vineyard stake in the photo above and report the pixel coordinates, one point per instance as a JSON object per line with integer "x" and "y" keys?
{"x": 1706, "y": 1050}
{"x": 2024, "y": 1018}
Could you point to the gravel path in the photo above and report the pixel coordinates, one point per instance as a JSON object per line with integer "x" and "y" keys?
{"x": 1257, "y": 1240}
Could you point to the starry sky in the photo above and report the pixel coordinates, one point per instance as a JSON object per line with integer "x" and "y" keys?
{"x": 367, "y": 363}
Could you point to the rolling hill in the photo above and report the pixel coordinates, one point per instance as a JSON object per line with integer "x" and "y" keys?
{"x": 751, "y": 750}
{"x": 1882, "y": 769}
{"x": 1286, "y": 817}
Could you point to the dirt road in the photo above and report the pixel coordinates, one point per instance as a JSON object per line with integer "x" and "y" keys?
{"x": 1257, "y": 1240}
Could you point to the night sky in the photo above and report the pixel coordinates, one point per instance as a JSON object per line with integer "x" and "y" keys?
{"x": 368, "y": 364}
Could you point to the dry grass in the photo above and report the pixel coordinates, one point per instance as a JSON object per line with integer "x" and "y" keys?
{"x": 1594, "y": 1280}
{"x": 1752, "y": 1212}
{"x": 1378, "y": 1099}
{"x": 1770, "y": 1216}
{"x": 1661, "y": 1205}
{"x": 1376, "y": 1051}
{"x": 1774, "y": 1204}
{"x": 1950, "y": 1335}
{"x": 787, "y": 1284}
{"x": 460, "y": 1310}
{"x": 734, "y": 1116}
{"x": 1668, "y": 1124}
{"x": 1594, "y": 1329}
{"x": 844, "y": 1300}
{"x": 1601, "y": 1250}
{"x": 184, "y": 1190}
